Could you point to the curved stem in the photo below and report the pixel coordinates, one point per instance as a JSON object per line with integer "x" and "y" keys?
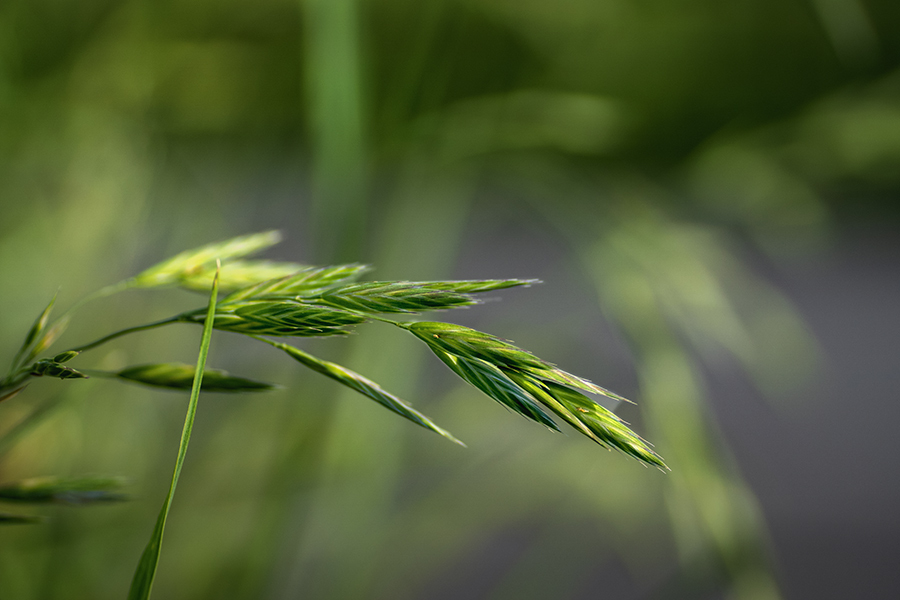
{"x": 122, "y": 332}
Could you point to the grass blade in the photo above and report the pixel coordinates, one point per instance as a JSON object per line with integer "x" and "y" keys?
{"x": 145, "y": 573}
{"x": 364, "y": 386}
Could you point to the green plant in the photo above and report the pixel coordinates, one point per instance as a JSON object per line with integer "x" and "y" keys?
{"x": 268, "y": 299}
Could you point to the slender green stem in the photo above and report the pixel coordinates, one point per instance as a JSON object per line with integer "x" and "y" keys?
{"x": 99, "y": 373}
{"x": 145, "y": 573}
{"x": 122, "y": 332}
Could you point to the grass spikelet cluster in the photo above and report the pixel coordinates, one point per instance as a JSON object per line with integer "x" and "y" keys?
{"x": 196, "y": 263}
{"x": 285, "y": 318}
{"x": 411, "y": 297}
{"x": 266, "y": 299}
{"x": 523, "y": 382}
{"x": 307, "y": 281}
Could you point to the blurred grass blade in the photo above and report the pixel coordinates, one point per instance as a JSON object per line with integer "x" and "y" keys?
{"x": 239, "y": 274}
{"x": 86, "y": 490}
{"x": 179, "y": 376}
{"x": 145, "y": 573}
{"x": 11, "y": 519}
{"x": 364, "y": 386}
{"x": 411, "y": 296}
{"x": 193, "y": 262}
{"x": 36, "y": 328}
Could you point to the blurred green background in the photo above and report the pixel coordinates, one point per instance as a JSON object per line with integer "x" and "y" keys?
{"x": 707, "y": 189}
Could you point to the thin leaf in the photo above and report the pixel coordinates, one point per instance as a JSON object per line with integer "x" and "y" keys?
{"x": 85, "y": 490}
{"x": 142, "y": 583}
{"x": 179, "y": 376}
{"x": 191, "y": 263}
{"x": 364, "y": 386}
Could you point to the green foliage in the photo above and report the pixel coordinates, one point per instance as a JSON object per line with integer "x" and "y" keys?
{"x": 775, "y": 109}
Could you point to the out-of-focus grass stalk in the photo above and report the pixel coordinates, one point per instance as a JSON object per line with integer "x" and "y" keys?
{"x": 332, "y": 62}
{"x": 714, "y": 515}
